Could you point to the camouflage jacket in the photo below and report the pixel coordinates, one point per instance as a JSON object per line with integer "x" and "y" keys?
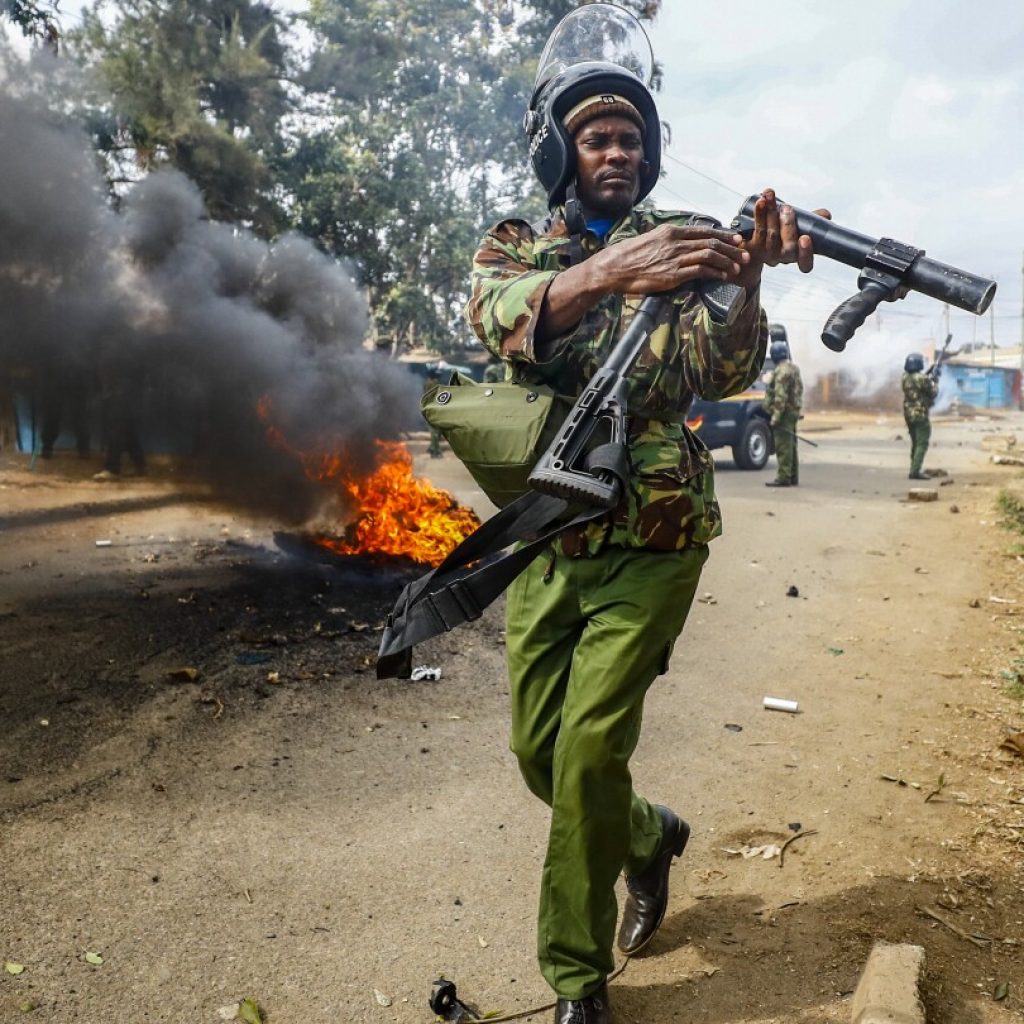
{"x": 919, "y": 391}
{"x": 670, "y": 502}
{"x": 784, "y": 392}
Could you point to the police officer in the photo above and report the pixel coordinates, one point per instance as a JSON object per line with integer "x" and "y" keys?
{"x": 783, "y": 399}
{"x": 590, "y": 626}
{"x": 919, "y": 391}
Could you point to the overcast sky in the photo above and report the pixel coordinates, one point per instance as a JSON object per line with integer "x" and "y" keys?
{"x": 904, "y": 117}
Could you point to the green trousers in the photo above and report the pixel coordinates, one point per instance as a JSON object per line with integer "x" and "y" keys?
{"x": 788, "y": 467}
{"x": 586, "y": 638}
{"x": 920, "y": 435}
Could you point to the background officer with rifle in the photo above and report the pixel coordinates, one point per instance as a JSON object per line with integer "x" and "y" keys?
{"x": 592, "y": 623}
{"x": 920, "y": 388}
{"x": 783, "y": 399}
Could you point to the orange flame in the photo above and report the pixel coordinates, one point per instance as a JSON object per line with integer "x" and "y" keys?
{"x": 394, "y": 512}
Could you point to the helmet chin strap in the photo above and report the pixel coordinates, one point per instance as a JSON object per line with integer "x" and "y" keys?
{"x": 575, "y": 222}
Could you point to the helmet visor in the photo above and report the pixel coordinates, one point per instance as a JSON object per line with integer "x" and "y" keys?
{"x": 598, "y": 33}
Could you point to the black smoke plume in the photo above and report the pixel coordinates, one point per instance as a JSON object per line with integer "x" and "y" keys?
{"x": 195, "y": 321}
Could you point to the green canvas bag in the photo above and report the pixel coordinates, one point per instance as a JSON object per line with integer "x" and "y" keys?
{"x": 498, "y": 431}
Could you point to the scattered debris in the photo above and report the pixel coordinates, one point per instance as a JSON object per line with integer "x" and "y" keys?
{"x": 229, "y": 1012}
{"x": 836, "y": 651}
{"x": 707, "y": 599}
{"x": 1008, "y": 460}
{"x": 793, "y": 839}
{"x": 209, "y": 698}
{"x": 974, "y": 603}
{"x": 382, "y": 1000}
{"x": 427, "y": 672}
{"x": 747, "y": 852}
{"x": 922, "y": 494}
{"x": 954, "y": 509}
{"x": 945, "y": 483}
{"x": 252, "y": 658}
{"x": 922, "y": 571}
{"x": 899, "y": 781}
{"x": 249, "y": 1011}
{"x": 936, "y": 472}
{"x": 12, "y": 968}
{"x": 733, "y": 727}
{"x": 92, "y": 957}
{"x": 940, "y": 785}
{"x": 956, "y": 929}
{"x": 781, "y": 704}
{"x": 1014, "y": 743}
{"x": 1002, "y": 990}
{"x": 184, "y": 675}
{"x": 1000, "y": 600}
{"x": 103, "y": 543}
{"x": 792, "y": 592}
{"x": 794, "y": 826}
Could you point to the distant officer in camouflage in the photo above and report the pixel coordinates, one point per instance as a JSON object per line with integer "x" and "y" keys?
{"x": 783, "y": 400}
{"x": 591, "y": 626}
{"x": 919, "y": 391}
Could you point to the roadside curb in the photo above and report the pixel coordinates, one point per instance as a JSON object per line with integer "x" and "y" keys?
{"x": 888, "y": 990}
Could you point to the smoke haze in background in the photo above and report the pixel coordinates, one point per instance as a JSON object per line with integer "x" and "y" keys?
{"x": 201, "y": 317}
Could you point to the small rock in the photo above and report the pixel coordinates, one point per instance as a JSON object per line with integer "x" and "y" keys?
{"x": 954, "y": 509}
{"x": 922, "y": 494}
{"x": 792, "y": 592}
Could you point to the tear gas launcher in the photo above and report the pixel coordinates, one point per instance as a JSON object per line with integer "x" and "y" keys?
{"x": 888, "y": 271}
{"x": 936, "y": 368}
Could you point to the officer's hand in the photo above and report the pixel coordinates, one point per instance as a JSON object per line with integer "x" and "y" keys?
{"x": 669, "y": 256}
{"x": 776, "y": 240}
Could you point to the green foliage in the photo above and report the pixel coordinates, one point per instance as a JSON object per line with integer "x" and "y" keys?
{"x": 36, "y": 19}
{"x": 194, "y": 85}
{"x": 1014, "y": 678}
{"x": 1011, "y": 508}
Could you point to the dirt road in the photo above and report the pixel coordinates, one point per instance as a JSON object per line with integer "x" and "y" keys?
{"x": 286, "y": 828}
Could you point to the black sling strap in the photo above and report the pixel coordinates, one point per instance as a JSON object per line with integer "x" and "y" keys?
{"x": 468, "y": 580}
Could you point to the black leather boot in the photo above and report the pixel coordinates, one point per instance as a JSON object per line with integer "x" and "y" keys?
{"x": 647, "y": 892}
{"x": 592, "y": 1009}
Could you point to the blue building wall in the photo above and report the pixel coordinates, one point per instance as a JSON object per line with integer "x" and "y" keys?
{"x": 987, "y": 387}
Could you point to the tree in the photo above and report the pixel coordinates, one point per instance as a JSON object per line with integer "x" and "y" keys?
{"x": 197, "y": 85}
{"x": 36, "y": 19}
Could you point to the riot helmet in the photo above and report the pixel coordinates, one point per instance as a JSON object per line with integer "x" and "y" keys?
{"x": 777, "y": 332}
{"x": 779, "y": 351}
{"x": 914, "y": 363}
{"x": 600, "y": 53}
